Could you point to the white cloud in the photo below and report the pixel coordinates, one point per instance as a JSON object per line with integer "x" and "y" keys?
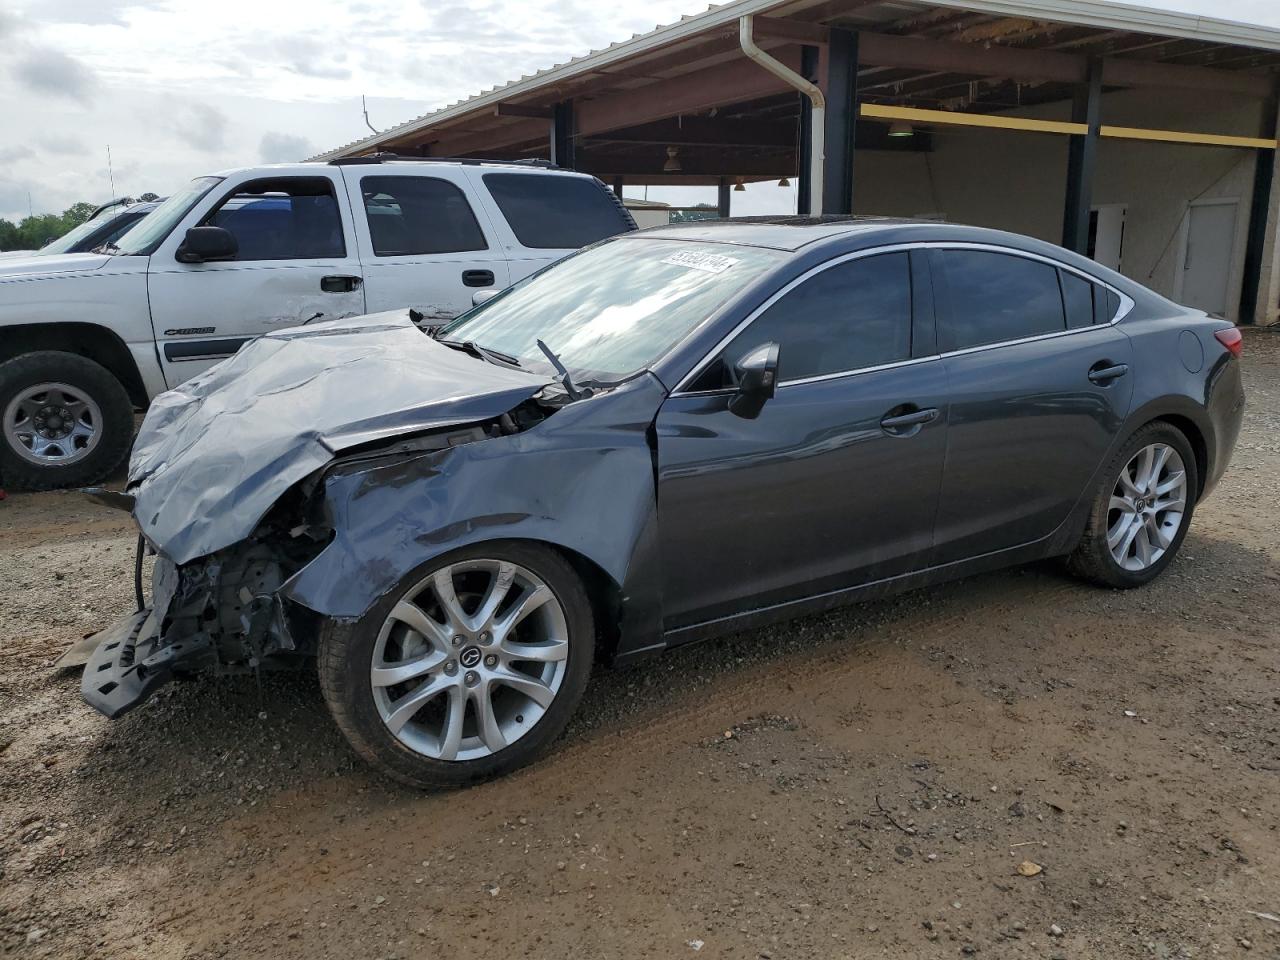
{"x": 179, "y": 89}
{"x": 284, "y": 148}
{"x": 201, "y": 125}
{"x": 46, "y": 71}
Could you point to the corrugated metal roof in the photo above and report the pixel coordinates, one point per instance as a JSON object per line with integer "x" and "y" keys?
{"x": 1102, "y": 14}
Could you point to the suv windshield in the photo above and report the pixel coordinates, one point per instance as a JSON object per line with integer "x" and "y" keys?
{"x": 614, "y": 309}
{"x": 151, "y": 230}
{"x": 68, "y": 240}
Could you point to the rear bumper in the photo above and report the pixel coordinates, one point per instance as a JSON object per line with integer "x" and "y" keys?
{"x": 128, "y": 665}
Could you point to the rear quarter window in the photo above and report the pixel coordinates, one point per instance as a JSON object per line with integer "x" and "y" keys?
{"x": 555, "y": 212}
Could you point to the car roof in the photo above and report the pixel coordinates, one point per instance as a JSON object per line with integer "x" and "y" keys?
{"x": 792, "y": 233}
{"x": 310, "y": 167}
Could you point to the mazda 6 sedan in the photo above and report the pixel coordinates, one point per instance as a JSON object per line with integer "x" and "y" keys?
{"x": 670, "y": 435}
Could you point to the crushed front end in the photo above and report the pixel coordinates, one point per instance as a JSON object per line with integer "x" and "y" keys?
{"x": 219, "y": 614}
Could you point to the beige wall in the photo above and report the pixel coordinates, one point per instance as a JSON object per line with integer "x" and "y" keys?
{"x": 1016, "y": 181}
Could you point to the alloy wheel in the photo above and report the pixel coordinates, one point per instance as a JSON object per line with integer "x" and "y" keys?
{"x": 52, "y": 424}
{"x": 470, "y": 659}
{"x": 1148, "y": 505}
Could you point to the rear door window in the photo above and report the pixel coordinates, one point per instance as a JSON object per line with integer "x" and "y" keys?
{"x": 284, "y": 219}
{"x": 1077, "y": 298}
{"x": 419, "y": 215}
{"x": 997, "y": 297}
{"x": 546, "y": 211}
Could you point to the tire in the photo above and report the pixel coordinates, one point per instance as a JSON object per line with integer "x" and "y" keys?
{"x": 359, "y": 704}
{"x": 1095, "y": 557}
{"x": 92, "y": 444}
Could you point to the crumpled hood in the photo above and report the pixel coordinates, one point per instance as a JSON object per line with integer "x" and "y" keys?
{"x": 216, "y": 453}
{"x": 51, "y": 264}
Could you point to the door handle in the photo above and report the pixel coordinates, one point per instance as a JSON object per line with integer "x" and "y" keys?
{"x": 907, "y": 424}
{"x": 340, "y": 284}
{"x": 1104, "y": 372}
{"x": 477, "y": 278}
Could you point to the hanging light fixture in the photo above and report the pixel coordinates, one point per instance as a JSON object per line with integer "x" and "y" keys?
{"x": 739, "y": 187}
{"x": 673, "y": 161}
{"x": 901, "y": 128}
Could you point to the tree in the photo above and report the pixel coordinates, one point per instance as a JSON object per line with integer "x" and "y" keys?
{"x": 34, "y": 232}
{"x": 77, "y": 214}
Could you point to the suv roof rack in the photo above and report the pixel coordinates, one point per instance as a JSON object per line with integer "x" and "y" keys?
{"x": 469, "y": 161}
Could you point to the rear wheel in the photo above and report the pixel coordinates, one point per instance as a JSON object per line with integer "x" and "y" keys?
{"x": 470, "y": 668}
{"x": 66, "y": 421}
{"x": 1141, "y": 510}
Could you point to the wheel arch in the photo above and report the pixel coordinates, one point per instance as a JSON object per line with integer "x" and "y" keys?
{"x": 89, "y": 340}
{"x": 1188, "y": 418}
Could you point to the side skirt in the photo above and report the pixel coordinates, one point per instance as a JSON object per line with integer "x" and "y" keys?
{"x": 820, "y": 603}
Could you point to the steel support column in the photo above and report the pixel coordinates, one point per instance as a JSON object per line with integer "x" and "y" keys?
{"x": 842, "y": 121}
{"x": 722, "y": 199}
{"x": 562, "y": 135}
{"x": 1082, "y": 159}
{"x": 809, "y": 70}
{"x": 1260, "y": 292}
{"x": 617, "y": 187}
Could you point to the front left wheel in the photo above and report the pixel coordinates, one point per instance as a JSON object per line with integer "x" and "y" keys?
{"x": 65, "y": 421}
{"x": 468, "y": 669}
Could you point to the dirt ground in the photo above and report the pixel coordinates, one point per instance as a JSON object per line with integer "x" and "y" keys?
{"x": 862, "y": 784}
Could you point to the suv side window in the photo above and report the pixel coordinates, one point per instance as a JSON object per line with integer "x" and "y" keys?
{"x": 853, "y": 315}
{"x": 996, "y": 297}
{"x": 419, "y": 215}
{"x": 556, "y": 212}
{"x": 293, "y": 218}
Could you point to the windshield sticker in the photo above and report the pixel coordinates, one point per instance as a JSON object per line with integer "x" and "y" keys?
{"x": 706, "y": 262}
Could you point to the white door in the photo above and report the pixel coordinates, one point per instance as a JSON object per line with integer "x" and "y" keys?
{"x": 425, "y": 245}
{"x": 1106, "y": 235}
{"x": 1209, "y": 237}
{"x": 297, "y": 262}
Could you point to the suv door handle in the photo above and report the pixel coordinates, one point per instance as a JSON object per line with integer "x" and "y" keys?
{"x": 907, "y": 424}
{"x": 1104, "y": 372}
{"x": 340, "y": 284}
{"x": 477, "y": 278}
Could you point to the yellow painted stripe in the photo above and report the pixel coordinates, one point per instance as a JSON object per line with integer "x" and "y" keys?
{"x": 970, "y": 119}
{"x": 1176, "y": 136}
{"x": 916, "y": 115}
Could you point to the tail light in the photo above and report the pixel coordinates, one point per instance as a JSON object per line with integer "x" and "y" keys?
{"x": 1232, "y": 339}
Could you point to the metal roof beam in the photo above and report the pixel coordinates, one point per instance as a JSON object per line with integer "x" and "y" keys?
{"x": 878, "y": 49}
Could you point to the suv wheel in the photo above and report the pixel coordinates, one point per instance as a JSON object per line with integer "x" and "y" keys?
{"x": 468, "y": 669}
{"x": 67, "y": 421}
{"x": 1141, "y": 510}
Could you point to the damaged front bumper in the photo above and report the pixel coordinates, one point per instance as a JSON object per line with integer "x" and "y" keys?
{"x": 219, "y": 613}
{"x": 129, "y": 663}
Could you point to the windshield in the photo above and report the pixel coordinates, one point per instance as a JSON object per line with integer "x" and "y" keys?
{"x": 614, "y": 309}
{"x": 68, "y": 240}
{"x": 151, "y": 230}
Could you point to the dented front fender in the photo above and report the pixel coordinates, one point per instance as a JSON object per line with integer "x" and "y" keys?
{"x": 582, "y": 481}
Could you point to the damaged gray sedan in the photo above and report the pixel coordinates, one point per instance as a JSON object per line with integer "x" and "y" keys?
{"x": 665, "y": 437}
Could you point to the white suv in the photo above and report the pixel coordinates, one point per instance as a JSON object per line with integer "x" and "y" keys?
{"x": 86, "y": 338}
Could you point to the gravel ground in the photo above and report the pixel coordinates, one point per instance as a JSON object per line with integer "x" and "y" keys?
{"x": 1016, "y": 765}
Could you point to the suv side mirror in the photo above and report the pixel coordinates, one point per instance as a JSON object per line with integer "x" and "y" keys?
{"x": 757, "y": 381}
{"x": 203, "y": 244}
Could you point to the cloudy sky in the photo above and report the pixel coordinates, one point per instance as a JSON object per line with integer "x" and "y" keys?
{"x": 177, "y": 88}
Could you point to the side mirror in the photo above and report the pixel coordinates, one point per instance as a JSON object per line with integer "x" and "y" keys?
{"x": 481, "y": 296}
{"x": 757, "y": 381}
{"x": 203, "y": 244}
